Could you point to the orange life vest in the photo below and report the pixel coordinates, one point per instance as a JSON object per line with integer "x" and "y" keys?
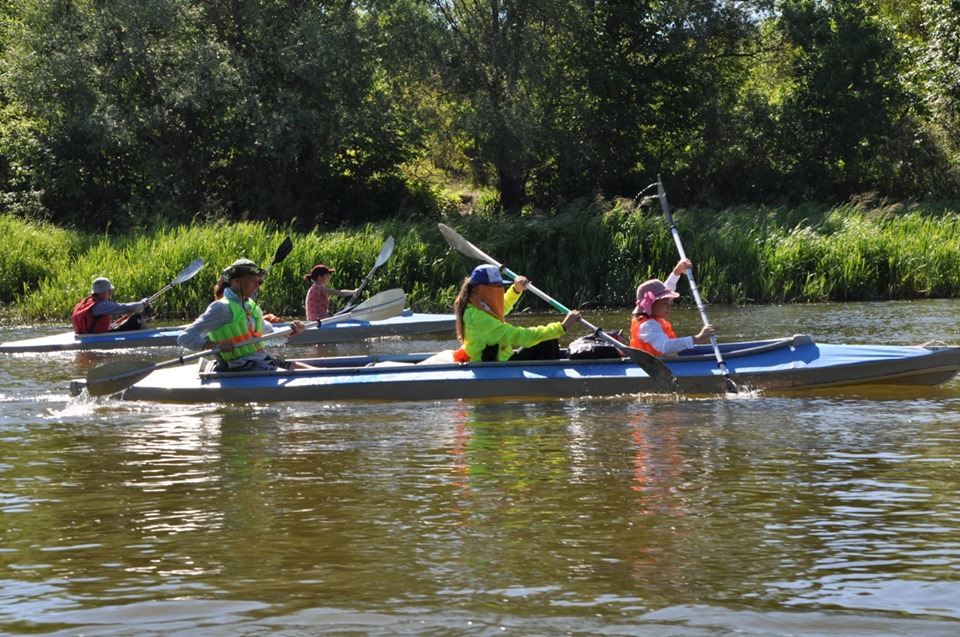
{"x": 637, "y": 322}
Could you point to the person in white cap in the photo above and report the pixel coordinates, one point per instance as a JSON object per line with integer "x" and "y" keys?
{"x": 235, "y": 318}
{"x": 93, "y": 314}
{"x": 649, "y": 328}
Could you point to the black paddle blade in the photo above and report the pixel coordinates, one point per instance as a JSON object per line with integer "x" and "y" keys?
{"x": 285, "y": 248}
{"x": 283, "y": 251}
{"x": 655, "y": 368}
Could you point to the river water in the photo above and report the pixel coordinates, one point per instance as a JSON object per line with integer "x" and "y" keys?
{"x": 833, "y": 513}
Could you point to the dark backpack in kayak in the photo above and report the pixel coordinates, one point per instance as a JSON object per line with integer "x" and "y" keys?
{"x": 593, "y": 347}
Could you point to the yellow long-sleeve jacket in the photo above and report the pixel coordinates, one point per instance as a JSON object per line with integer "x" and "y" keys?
{"x": 481, "y": 330}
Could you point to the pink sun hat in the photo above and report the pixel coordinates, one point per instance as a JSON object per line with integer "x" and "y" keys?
{"x": 651, "y": 291}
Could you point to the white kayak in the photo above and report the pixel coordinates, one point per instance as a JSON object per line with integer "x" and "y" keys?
{"x": 404, "y": 324}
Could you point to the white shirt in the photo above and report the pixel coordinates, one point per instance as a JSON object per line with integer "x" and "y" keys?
{"x": 652, "y": 333}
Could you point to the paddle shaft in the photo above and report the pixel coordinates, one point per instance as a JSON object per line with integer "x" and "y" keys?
{"x": 212, "y": 351}
{"x": 653, "y": 366}
{"x": 185, "y": 275}
{"x": 557, "y": 305}
{"x": 662, "y": 196}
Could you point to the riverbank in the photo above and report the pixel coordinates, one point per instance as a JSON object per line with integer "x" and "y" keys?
{"x": 588, "y": 256}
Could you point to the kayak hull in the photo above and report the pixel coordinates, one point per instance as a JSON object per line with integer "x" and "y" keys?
{"x": 405, "y": 324}
{"x": 756, "y": 366}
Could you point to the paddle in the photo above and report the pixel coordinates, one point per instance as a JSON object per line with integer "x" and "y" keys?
{"x": 385, "y": 253}
{"x": 662, "y": 195}
{"x": 653, "y": 366}
{"x": 186, "y": 274}
{"x": 113, "y": 377}
{"x": 284, "y": 249}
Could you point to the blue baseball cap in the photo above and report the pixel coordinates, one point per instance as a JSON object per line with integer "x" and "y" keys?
{"x": 486, "y": 275}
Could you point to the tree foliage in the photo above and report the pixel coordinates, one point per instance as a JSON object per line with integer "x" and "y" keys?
{"x": 117, "y": 113}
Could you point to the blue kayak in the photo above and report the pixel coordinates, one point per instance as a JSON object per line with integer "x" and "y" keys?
{"x": 785, "y": 364}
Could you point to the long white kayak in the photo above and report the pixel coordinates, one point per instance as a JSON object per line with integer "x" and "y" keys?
{"x": 793, "y": 363}
{"x": 405, "y": 324}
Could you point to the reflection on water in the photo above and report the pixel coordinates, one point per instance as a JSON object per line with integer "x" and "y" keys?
{"x": 808, "y": 514}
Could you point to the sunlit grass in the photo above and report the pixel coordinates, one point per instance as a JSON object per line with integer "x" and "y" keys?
{"x": 587, "y": 256}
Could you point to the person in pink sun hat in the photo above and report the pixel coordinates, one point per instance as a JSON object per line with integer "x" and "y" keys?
{"x": 649, "y": 328}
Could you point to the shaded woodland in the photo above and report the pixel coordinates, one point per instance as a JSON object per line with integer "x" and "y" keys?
{"x": 117, "y": 114}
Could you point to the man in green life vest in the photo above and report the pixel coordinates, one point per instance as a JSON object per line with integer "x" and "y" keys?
{"x": 235, "y": 318}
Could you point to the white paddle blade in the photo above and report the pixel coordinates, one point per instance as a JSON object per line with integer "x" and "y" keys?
{"x": 116, "y": 376}
{"x": 188, "y": 272}
{"x": 464, "y": 247}
{"x": 378, "y": 307}
{"x": 385, "y": 253}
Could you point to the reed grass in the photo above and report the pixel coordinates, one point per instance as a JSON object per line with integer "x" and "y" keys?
{"x": 586, "y": 256}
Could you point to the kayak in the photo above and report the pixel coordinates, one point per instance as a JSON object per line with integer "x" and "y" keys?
{"x": 791, "y": 363}
{"x": 405, "y": 324}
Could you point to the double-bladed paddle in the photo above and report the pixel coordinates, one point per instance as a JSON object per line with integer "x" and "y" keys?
{"x": 385, "y": 253}
{"x": 662, "y": 195}
{"x": 655, "y": 368}
{"x": 187, "y": 273}
{"x": 113, "y": 377}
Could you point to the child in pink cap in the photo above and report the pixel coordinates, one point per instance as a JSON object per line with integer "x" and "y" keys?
{"x": 649, "y": 328}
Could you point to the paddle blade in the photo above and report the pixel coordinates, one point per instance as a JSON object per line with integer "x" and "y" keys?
{"x": 116, "y": 376}
{"x": 188, "y": 272}
{"x": 378, "y": 307}
{"x": 385, "y": 253}
{"x": 464, "y": 247}
{"x": 655, "y": 368}
{"x": 283, "y": 251}
{"x": 285, "y": 248}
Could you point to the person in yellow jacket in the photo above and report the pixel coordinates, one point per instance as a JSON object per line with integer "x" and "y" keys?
{"x": 235, "y": 318}
{"x": 481, "y": 308}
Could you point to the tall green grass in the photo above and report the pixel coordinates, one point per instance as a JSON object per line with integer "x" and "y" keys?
{"x": 586, "y": 256}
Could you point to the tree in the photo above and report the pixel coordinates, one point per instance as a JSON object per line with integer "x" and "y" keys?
{"x": 843, "y": 64}
{"x": 129, "y": 110}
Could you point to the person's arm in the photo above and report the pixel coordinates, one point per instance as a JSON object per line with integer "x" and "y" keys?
{"x": 267, "y": 327}
{"x": 530, "y": 336}
{"x": 652, "y": 333}
{"x": 113, "y": 308}
{"x": 194, "y": 337}
{"x": 511, "y": 296}
{"x": 336, "y": 292}
{"x": 671, "y": 283}
{"x": 678, "y": 270}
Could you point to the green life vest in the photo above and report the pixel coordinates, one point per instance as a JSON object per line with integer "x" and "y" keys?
{"x": 237, "y": 330}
